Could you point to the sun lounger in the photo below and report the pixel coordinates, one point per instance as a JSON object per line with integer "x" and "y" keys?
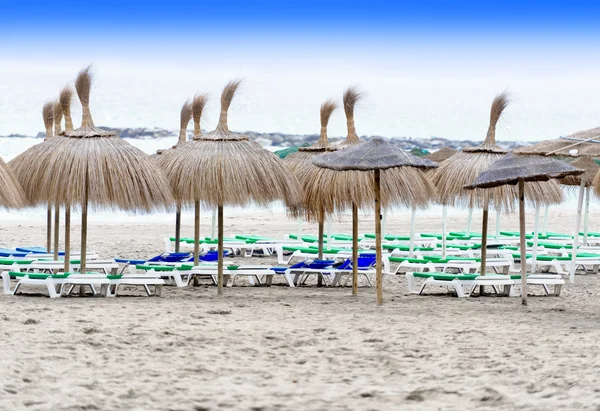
{"x": 56, "y": 284}
{"x": 146, "y": 281}
{"x": 180, "y": 275}
{"x": 256, "y": 274}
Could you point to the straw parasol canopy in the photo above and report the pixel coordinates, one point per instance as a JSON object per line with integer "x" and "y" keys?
{"x": 512, "y": 169}
{"x": 334, "y": 192}
{"x": 373, "y": 158}
{"x": 91, "y": 166}
{"x": 590, "y": 169}
{"x": 463, "y": 167}
{"x": 582, "y": 143}
{"x": 11, "y": 195}
{"x": 226, "y": 168}
{"x": 442, "y": 154}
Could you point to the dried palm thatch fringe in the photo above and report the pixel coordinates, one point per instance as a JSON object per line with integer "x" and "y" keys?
{"x": 442, "y": 154}
{"x": 564, "y": 146}
{"x": 225, "y": 168}
{"x": 58, "y": 115}
{"x": 590, "y": 169}
{"x": 116, "y": 174}
{"x": 463, "y": 168}
{"x": 184, "y": 119}
{"x": 48, "y": 116}
{"x": 197, "y": 109}
{"x": 302, "y": 158}
{"x": 11, "y": 195}
{"x": 65, "y": 98}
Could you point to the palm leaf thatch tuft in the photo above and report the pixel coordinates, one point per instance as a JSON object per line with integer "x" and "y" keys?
{"x": 225, "y": 168}
{"x": 184, "y": 120}
{"x": 88, "y": 163}
{"x": 328, "y": 191}
{"x": 463, "y": 168}
{"x": 48, "y": 116}
{"x": 442, "y": 154}
{"x": 302, "y": 158}
{"x": 351, "y": 97}
{"x": 58, "y": 115}
{"x": 11, "y": 195}
{"x": 197, "y": 109}
{"x": 590, "y": 169}
{"x": 574, "y": 144}
{"x": 66, "y": 95}
{"x": 489, "y": 144}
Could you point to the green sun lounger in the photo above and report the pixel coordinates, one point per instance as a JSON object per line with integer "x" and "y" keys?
{"x": 163, "y": 268}
{"x": 389, "y": 237}
{"x": 446, "y": 276}
{"x": 403, "y": 247}
{"x": 11, "y": 261}
{"x": 38, "y": 276}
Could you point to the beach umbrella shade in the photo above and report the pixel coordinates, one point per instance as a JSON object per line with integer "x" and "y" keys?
{"x": 226, "y": 168}
{"x": 301, "y": 160}
{"x": 91, "y": 167}
{"x": 330, "y": 192}
{"x": 584, "y": 143}
{"x": 372, "y": 158}
{"x": 442, "y": 154}
{"x": 517, "y": 170}
{"x": 463, "y": 167}
{"x": 66, "y": 95}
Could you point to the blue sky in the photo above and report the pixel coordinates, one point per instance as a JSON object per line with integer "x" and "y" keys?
{"x": 135, "y": 29}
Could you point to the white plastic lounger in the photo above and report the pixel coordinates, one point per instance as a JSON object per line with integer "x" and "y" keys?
{"x": 143, "y": 280}
{"x": 177, "y": 275}
{"x": 462, "y": 284}
{"x": 56, "y": 284}
{"x": 256, "y": 274}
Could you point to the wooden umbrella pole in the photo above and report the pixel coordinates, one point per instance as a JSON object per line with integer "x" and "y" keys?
{"x": 354, "y": 249}
{"x": 321, "y": 240}
{"x": 177, "y": 227}
{"x": 84, "y": 217}
{"x": 444, "y": 218}
{"x": 522, "y": 241}
{"x": 220, "y": 248}
{"x": 67, "y": 237}
{"x": 56, "y": 230}
{"x": 576, "y": 236}
{"x": 586, "y": 215}
{"x": 49, "y": 228}
{"x": 484, "y": 231}
{"x": 197, "y": 232}
{"x": 321, "y": 229}
{"x": 545, "y": 219}
{"x": 411, "y": 248}
{"x": 536, "y": 230}
{"x": 469, "y": 219}
{"x": 378, "y": 268}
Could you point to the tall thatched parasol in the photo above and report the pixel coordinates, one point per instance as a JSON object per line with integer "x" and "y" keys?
{"x": 328, "y": 191}
{"x": 184, "y": 119}
{"x": 89, "y": 166}
{"x": 463, "y": 167}
{"x": 66, "y": 95}
{"x": 48, "y": 117}
{"x": 512, "y": 169}
{"x": 372, "y": 158}
{"x": 582, "y": 143}
{"x": 225, "y": 168}
{"x": 300, "y": 162}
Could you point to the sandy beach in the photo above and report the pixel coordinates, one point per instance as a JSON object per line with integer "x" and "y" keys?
{"x": 278, "y": 348}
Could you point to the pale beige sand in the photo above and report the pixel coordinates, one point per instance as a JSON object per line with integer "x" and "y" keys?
{"x": 295, "y": 349}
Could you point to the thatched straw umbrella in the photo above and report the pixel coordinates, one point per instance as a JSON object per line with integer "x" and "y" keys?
{"x": 372, "y": 159}
{"x": 463, "y": 167}
{"x": 301, "y": 161}
{"x": 89, "y": 166}
{"x": 512, "y": 169}
{"x": 583, "y": 143}
{"x": 226, "y": 168}
{"x": 66, "y": 95}
{"x": 330, "y": 191}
